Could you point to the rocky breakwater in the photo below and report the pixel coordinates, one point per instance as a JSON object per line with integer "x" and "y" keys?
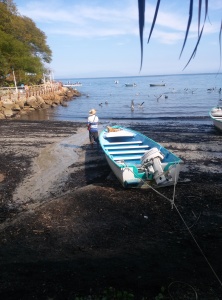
{"x": 13, "y": 105}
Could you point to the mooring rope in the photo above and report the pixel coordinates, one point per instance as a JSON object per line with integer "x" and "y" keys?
{"x": 187, "y": 227}
{"x": 174, "y": 187}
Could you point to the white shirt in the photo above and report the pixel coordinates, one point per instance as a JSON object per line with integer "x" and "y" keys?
{"x": 93, "y": 121}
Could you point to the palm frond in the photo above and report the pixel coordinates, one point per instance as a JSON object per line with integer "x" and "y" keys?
{"x": 154, "y": 19}
{"x": 199, "y": 15}
{"x": 199, "y": 34}
{"x": 206, "y": 8}
{"x": 195, "y": 49}
{"x": 141, "y": 9}
{"x": 220, "y": 40}
{"x": 188, "y": 25}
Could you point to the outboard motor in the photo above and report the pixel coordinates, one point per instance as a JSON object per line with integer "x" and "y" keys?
{"x": 151, "y": 162}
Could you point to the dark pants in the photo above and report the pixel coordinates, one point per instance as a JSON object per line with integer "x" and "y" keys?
{"x": 94, "y": 137}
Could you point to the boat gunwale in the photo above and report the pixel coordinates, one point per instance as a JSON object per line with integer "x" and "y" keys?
{"x": 160, "y": 147}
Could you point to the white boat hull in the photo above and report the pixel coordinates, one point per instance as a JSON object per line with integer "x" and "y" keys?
{"x": 218, "y": 124}
{"x": 72, "y": 85}
{"x": 130, "y": 84}
{"x": 216, "y": 117}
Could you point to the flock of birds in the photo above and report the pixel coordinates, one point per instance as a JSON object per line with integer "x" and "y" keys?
{"x": 101, "y": 104}
{"x": 141, "y": 105}
{"x": 133, "y": 105}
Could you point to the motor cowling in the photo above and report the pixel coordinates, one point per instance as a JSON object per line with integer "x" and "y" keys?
{"x": 151, "y": 161}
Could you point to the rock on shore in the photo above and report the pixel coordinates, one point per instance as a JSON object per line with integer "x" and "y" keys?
{"x": 15, "y": 105}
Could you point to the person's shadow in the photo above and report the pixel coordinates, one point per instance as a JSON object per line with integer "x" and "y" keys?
{"x": 96, "y": 166}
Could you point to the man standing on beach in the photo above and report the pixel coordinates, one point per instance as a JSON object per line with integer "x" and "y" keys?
{"x": 93, "y": 122}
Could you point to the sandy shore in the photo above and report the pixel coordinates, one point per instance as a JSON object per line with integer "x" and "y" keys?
{"x": 68, "y": 228}
{"x": 50, "y": 169}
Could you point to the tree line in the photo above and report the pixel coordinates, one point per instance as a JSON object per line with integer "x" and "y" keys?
{"x": 23, "y": 48}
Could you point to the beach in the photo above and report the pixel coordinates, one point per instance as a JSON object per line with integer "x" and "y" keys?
{"x": 68, "y": 228}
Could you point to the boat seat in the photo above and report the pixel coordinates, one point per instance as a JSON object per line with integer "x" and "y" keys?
{"x": 127, "y": 147}
{"x": 131, "y": 157}
{"x": 124, "y": 143}
{"x": 127, "y": 152}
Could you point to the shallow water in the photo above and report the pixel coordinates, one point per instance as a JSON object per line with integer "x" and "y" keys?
{"x": 183, "y": 98}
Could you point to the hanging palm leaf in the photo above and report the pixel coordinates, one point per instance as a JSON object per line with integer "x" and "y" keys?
{"x": 220, "y": 41}
{"x": 199, "y": 33}
{"x": 188, "y": 25}
{"x": 199, "y": 15}
{"x": 154, "y": 19}
{"x": 141, "y": 8}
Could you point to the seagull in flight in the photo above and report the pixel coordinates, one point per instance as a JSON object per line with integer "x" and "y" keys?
{"x": 132, "y": 105}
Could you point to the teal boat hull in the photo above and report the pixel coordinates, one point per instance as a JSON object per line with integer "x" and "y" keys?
{"x": 138, "y": 161}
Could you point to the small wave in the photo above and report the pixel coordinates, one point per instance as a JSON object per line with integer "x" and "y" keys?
{"x": 164, "y": 118}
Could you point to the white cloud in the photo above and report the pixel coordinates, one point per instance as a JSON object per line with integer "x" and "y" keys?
{"x": 215, "y": 4}
{"x": 109, "y": 20}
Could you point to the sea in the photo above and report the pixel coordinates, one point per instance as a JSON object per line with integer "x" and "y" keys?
{"x": 183, "y": 98}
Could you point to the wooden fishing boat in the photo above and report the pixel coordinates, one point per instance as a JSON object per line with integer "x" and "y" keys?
{"x": 73, "y": 84}
{"x": 130, "y": 84}
{"x": 138, "y": 161}
{"x": 216, "y": 116}
{"x": 157, "y": 84}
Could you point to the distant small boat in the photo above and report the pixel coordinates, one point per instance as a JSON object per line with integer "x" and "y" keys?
{"x": 116, "y": 81}
{"x": 216, "y": 116}
{"x": 130, "y": 84}
{"x": 73, "y": 84}
{"x": 138, "y": 161}
{"x": 157, "y": 84}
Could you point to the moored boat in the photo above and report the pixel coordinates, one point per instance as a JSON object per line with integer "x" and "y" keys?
{"x": 138, "y": 161}
{"x": 216, "y": 116}
{"x": 130, "y": 84}
{"x": 73, "y": 84}
{"x": 157, "y": 84}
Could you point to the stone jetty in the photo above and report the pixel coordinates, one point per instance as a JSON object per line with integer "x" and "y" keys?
{"x": 13, "y": 104}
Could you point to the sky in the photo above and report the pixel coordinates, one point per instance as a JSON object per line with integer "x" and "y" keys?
{"x": 100, "y": 38}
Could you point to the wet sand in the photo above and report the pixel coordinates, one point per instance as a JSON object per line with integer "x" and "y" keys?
{"x": 50, "y": 168}
{"x": 68, "y": 227}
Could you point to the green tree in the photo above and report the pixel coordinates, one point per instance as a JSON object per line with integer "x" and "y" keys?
{"x": 10, "y": 6}
{"x": 25, "y": 30}
{"x": 23, "y": 46}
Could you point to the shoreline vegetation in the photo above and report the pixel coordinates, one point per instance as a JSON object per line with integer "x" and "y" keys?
{"x": 23, "y": 101}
